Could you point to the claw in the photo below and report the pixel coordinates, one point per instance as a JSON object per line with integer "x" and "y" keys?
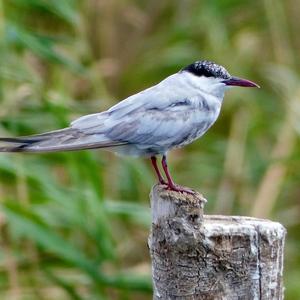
{"x": 180, "y": 189}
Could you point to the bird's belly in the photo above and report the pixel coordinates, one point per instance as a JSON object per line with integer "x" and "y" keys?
{"x": 139, "y": 151}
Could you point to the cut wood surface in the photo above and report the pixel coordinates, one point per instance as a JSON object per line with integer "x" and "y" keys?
{"x": 212, "y": 257}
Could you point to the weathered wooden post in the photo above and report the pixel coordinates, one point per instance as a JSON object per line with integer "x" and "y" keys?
{"x": 212, "y": 257}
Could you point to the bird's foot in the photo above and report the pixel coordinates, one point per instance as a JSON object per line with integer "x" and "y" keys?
{"x": 180, "y": 189}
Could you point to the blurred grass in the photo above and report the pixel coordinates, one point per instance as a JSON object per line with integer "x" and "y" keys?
{"x": 75, "y": 225}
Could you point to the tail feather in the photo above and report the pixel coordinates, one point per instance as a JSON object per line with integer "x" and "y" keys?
{"x": 67, "y": 139}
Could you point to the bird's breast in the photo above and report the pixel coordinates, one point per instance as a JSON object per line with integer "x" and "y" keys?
{"x": 201, "y": 118}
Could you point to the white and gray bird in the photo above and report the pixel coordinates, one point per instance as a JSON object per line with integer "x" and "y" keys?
{"x": 171, "y": 114}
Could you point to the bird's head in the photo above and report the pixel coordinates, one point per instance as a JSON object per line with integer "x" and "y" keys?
{"x": 214, "y": 78}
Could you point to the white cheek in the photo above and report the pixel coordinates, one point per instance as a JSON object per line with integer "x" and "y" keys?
{"x": 207, "y": 85}
{"x": 220, "y": 90}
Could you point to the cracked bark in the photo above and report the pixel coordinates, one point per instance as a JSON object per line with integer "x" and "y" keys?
{"x": 212, "y": 257}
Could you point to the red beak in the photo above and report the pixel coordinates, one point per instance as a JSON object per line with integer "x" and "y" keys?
{"x": 235, "y": 81}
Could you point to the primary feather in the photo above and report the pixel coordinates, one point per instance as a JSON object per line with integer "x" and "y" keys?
{"x": 66, "y": 139}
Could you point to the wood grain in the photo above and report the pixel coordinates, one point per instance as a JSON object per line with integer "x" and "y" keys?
{"x": 212, "y": 257}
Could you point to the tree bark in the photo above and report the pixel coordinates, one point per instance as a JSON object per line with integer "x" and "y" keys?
{"x": 212, "y": 257}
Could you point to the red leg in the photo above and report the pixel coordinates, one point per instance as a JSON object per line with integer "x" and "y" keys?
{"x": 154, "y": 164}
{"x": 171, "y": 185}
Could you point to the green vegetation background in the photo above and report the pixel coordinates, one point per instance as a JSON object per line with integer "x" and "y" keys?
{"x": 75, "y": 225}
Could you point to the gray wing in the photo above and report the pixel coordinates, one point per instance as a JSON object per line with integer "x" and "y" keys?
{"x": 156, "y": 117}
{"x": 155, "y": 127}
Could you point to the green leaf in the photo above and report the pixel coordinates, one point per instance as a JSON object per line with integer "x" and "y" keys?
{"x": 41, "y": 45}
{"x": 65, "y": 9}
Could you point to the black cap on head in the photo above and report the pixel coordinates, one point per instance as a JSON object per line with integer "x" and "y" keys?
{"x": 208, "y": 69}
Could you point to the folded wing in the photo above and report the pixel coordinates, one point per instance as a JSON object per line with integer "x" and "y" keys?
{"x": 156, "y": 117}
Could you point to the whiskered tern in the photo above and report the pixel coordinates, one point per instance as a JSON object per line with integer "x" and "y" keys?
{"x": 171, "y": 114}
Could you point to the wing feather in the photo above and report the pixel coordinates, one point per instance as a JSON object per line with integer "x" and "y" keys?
{"x": 159, "y": 116}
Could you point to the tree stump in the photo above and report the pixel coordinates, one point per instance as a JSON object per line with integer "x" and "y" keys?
{"x": 212, "y": 257}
